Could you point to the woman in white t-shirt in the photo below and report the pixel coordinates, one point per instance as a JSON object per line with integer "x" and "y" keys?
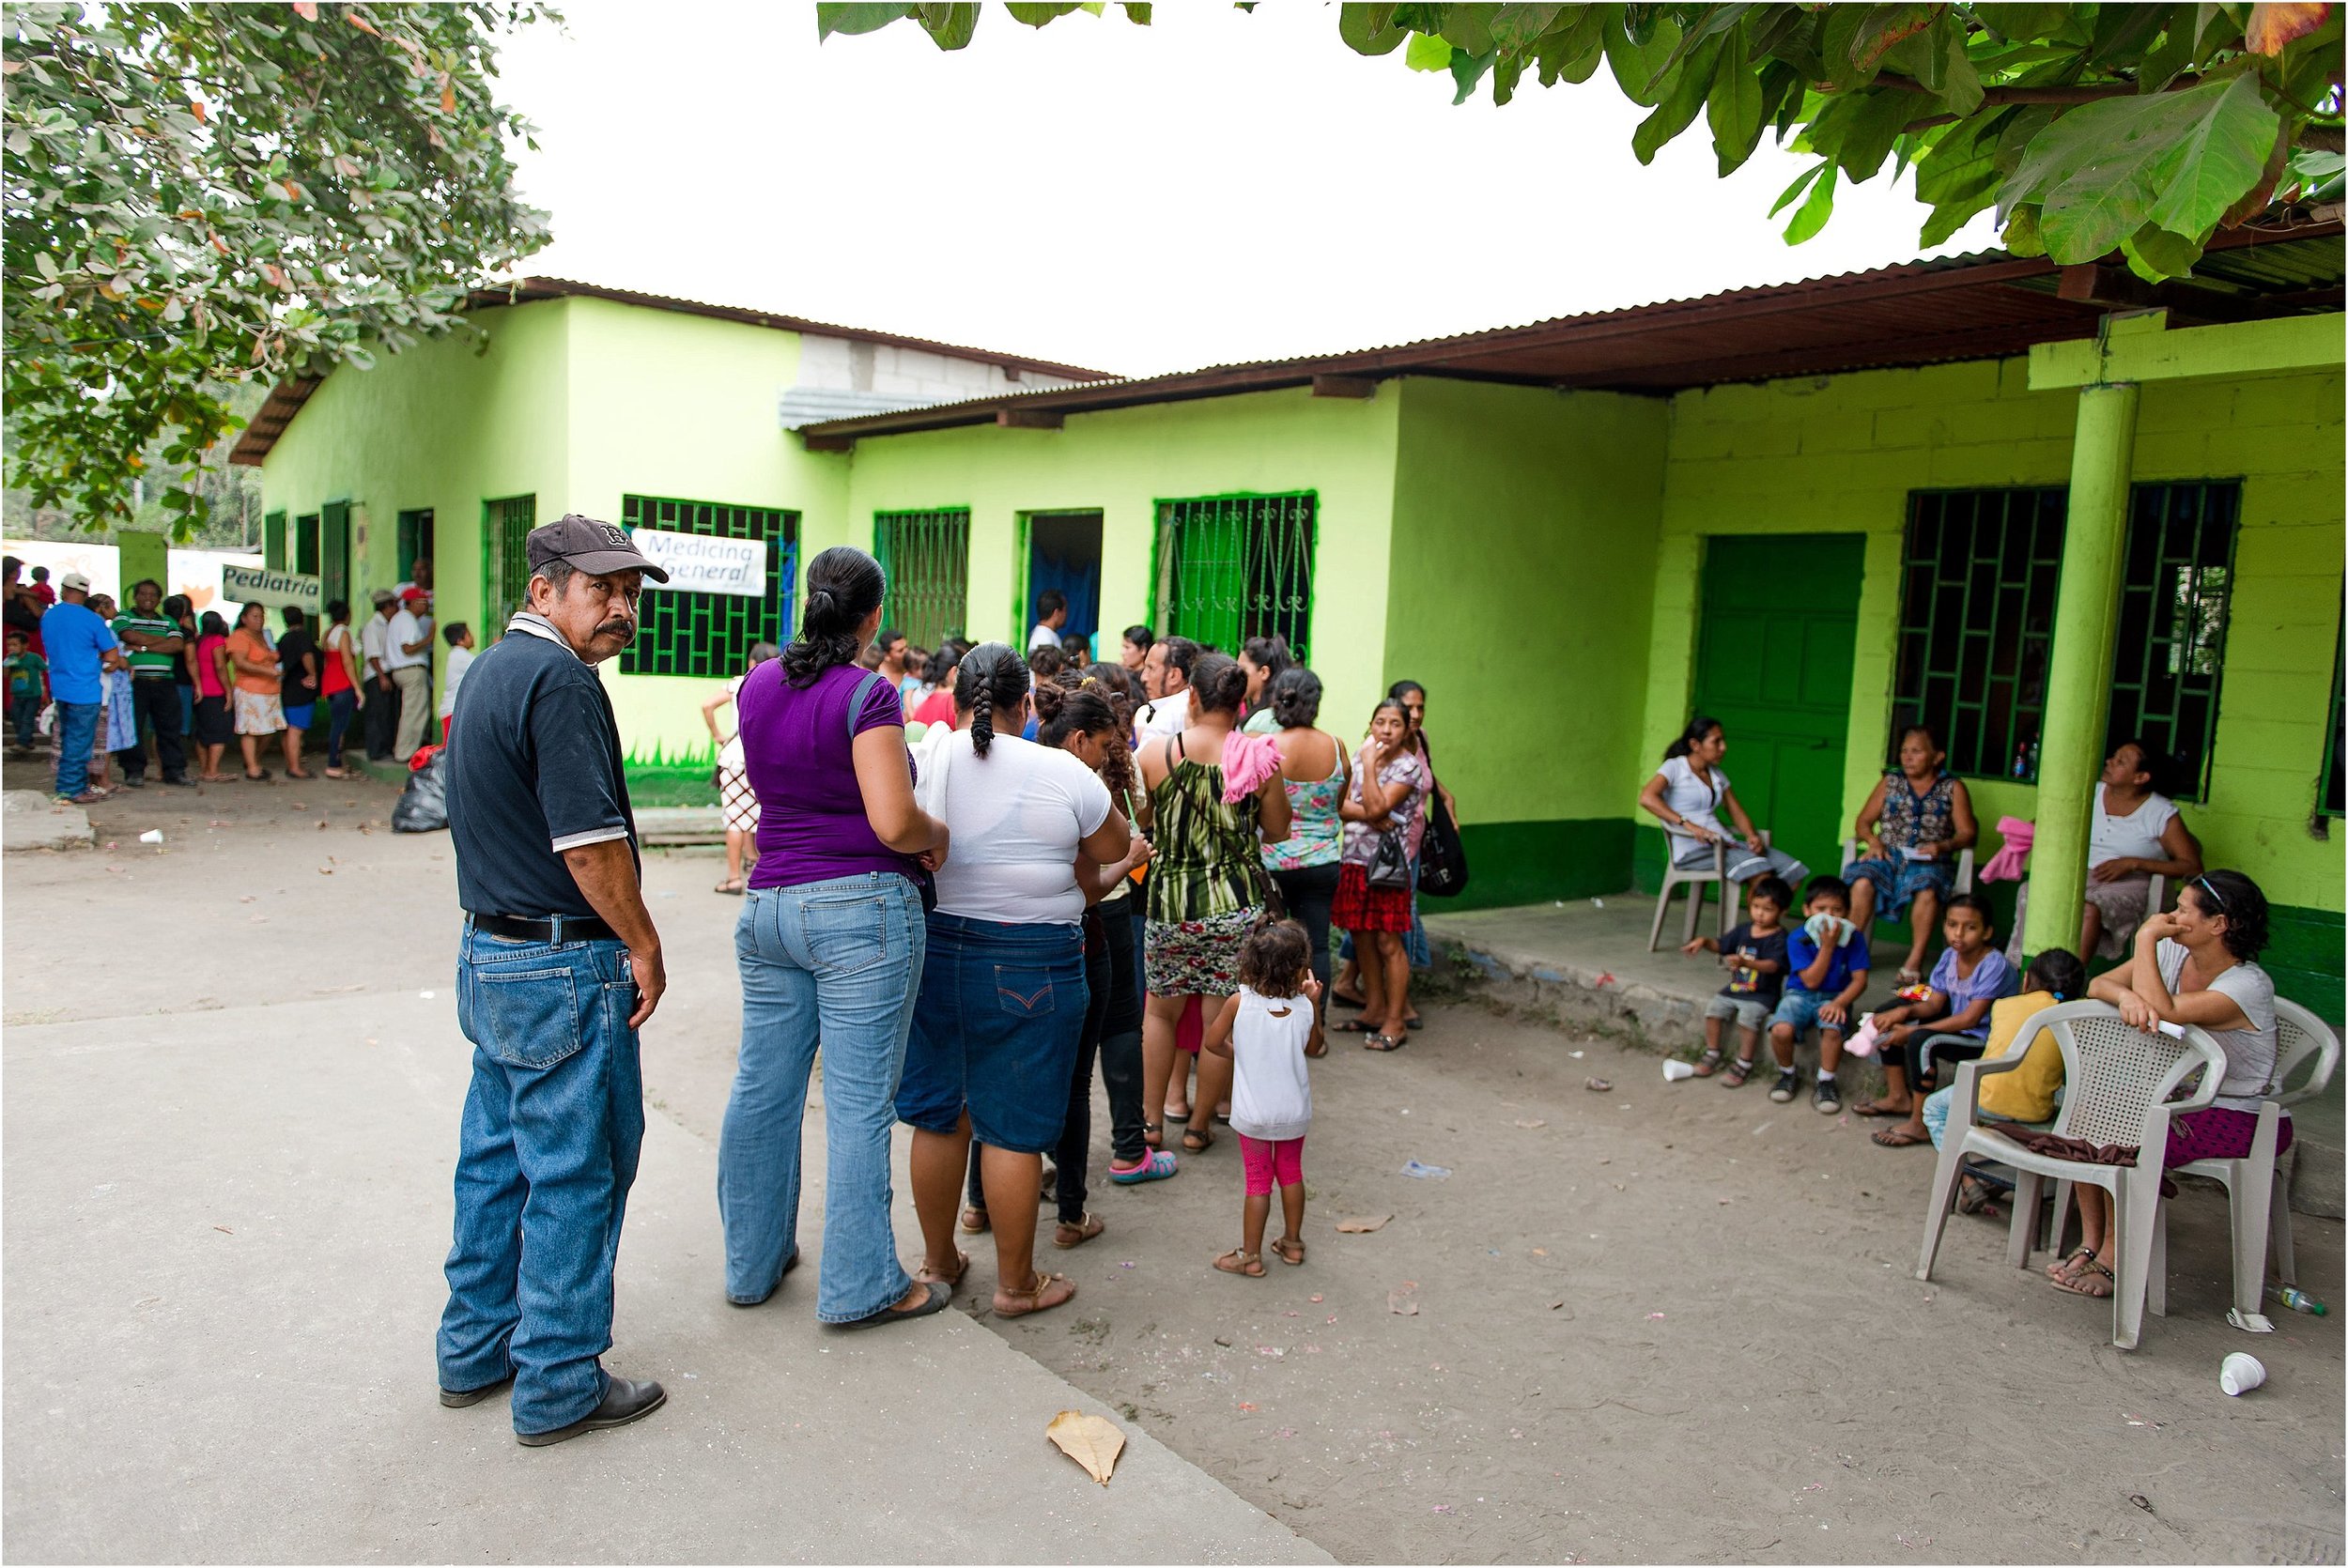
{"x": 1001, "y": 1009}
{"x": 2134, "y": 833}
{"x": 1687, "y": 795}
{"x": 2195, "y": 966}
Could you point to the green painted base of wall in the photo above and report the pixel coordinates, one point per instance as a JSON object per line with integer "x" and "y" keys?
{"x": 686, "y": 781}
{"x": 2303, "y": 953}
{"x": 1530, "y": 863}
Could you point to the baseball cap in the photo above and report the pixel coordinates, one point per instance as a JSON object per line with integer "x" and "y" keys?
{"x": 590, "y": 546}
{"x": 415, "y": 596}
{"x": 74, "y": 579}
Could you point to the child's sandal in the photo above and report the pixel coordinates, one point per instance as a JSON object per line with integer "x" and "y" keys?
{"x": 1237, "y": 1262}
{"x": 1709, "y": 1063}
{"x": 1291, "y": 1253}
{"x": 1736, "y": 1075}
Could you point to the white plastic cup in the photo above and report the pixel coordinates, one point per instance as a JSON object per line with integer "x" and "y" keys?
{"x": 1676, "y": 1069}
{"x": 152, "y": 835}
{"x": 2239, "y": 1373}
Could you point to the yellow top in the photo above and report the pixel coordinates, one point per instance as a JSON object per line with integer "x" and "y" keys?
{"x": 2025, "y": 1094}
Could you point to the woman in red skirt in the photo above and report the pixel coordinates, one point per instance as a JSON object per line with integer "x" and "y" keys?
{"x": 1389, "y": 787}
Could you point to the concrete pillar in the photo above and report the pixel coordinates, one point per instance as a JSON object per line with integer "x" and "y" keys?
{"x": 142, "y": 555}
{"x": 2078, "y": 685}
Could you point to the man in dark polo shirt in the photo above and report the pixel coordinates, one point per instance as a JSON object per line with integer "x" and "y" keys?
{"x": 559, "y": 966}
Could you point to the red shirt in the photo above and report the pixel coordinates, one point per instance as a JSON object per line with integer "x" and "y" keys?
{"x": 338, "y": 676}
{"x": 937, "y": 708}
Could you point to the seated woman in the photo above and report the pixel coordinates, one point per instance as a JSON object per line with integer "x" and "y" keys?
{"x": 1950, "y": 1023}
{"x": 2195, "y": 966}
{"x": 2134, "y": 834}
{"x": 1686, "y": 792}
{"x": 1910, "y": 830}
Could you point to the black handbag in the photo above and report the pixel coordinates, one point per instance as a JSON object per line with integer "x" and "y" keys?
{"x": 1390, "y": 867}
{"x": 1442, "y": 868}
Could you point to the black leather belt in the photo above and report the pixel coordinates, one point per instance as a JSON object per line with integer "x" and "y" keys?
{"x": 559, "y": 930}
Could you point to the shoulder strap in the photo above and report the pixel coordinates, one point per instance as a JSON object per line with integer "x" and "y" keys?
{"x": 856, "y": 700}
{"x": 1179, "y": 750}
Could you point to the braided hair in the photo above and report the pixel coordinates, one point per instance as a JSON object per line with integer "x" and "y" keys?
{"x": 844, "y": 585}
{"x": 991, "y": 677}
{"x": 1063, "y": 710}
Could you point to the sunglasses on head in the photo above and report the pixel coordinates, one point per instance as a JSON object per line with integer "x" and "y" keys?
{"x": 2202, "y": 883}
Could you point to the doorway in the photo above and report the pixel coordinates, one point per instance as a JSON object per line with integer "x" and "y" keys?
{"x": 1773, "y": 665}
{"x": 1064, "y": 553}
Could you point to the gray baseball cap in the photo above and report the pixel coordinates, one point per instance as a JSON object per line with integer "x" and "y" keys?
{"x": 589, "y": 546}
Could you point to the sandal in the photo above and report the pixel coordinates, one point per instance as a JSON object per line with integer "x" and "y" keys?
{"x": 1384, "y": 1042}
{"x": 1899, "y": 1138}
{"x": 1156, "y": 1167}
{"x": 1736, "y": 1075}
{"x": 1344, "y": 1001}
{"x": 937, "y": 1300}
{"x": 1291, "y": 1253}
{"x": 1198, "y": 1140}
{"x": 1237, "y": 1262}
{"x": 1355, "y": 1026}
{"x": 1877, "y": 1107}
{"x": 1709, "y": 1063}
{"x": 1319, "y": 1046}
{"x": 1976, "y": 1196}
{"x": 732, "y": 884}
{"x": 2063, "y": 1268}
{"x": 974, "y": 1220}
{"x": 260, "y": 778}
{"x": 1065, "y": 1236}
{"x": 2093, "y": 1279}
{"x": 928, "y": 1275}
{"x": 1173, "y": 1115}
{"x": 1049, "y": 1291}
{"x": 1154, "y": 1134}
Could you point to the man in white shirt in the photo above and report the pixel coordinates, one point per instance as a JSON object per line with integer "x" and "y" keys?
{"x": 1165, "y": 679}
{"x": 408, "y": 655}
{"x": 378, "y": 690}
{"x": 1051, "y": 614}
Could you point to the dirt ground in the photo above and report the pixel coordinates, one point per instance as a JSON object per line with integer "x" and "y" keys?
{"x": 1661, "y": 1323}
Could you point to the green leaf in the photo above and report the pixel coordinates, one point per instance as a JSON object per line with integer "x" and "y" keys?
{"x": 850, "y": 19}
{"x": 1137, "y": 12}
{"x": 2153, "y": 253}
{"x": 1427, "y": 53}
{"x": 1857, "y": 128}
{"x": 2216, "y": 161}
{"x": 1468, "y": 70}
{"x": 1881, "y": 28}
{"x": 1036, "y": 16}
{"x": 1521, "y": 26}
{"x": 1688, "y": 88}
{"x": 2020, "y": 235}
{"x": 1811, "y": 215}
{"x": 1734, "y": 111}
{"x": 1636, "y": 62}
{"x": 949, "y": 26}
{"x": 1464, "y": 28}
{"x": 1801, "y": 183}
{"x": 1369, "y": 29}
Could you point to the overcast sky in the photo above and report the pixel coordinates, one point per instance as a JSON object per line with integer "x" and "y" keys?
{"x": 1218, "y": 186}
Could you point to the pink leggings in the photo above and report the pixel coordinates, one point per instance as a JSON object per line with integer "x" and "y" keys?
{"x": 1266, "y": 1162}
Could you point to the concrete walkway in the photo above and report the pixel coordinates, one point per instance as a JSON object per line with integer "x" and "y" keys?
{"x": 223, "y": 1233}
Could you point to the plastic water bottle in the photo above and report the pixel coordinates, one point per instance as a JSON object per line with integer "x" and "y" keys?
{"x": 2297, "y": 1299}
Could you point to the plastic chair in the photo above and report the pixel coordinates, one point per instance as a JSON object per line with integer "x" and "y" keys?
{"x": 2117, "y": 1081}
{"x": 1696, "y": 881}
{"x": 2257, "y": 1197}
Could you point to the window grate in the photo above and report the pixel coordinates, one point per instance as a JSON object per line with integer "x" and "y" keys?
{"x": 273, "y": 540}
{"x": 1233, "y": 567}
{"x": 304, "y": 545}
{"x": 925, "y": 557}
{"x": 1977, "y": 623}
{"x": 709, "y": 635}
{"x": 506, "y": 526}
{"x": 414, "y": 541}
{"x": 334, "y": 553}
{"x": 2169, "y": 653}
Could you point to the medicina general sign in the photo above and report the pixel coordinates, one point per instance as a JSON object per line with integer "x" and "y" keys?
{"x": 702, "y": 563}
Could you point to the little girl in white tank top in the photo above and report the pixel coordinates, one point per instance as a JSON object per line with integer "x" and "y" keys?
{"x": 1264, "y": 1028}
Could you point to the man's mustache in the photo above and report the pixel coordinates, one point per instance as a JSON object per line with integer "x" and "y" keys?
{"x": 624, "y": 630}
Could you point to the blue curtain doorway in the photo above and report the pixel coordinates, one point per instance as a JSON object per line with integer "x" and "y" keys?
{"x": 1064, "y": 552}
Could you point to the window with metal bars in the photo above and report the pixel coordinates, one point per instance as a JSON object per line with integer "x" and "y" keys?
{"x": 709, "y": 635}
{"x": 925, "y": 557}
{"x": 415, "y": 540}
{"x": 1977, "y": 623}
{"x": 1234, "y": 567}
{"x": 2175, "y": 592}
{"x": 273, "y": 540}
{"x": 334, "y": 552}
{"x": 506, "y": 526}
{"x": 302, "y": 547}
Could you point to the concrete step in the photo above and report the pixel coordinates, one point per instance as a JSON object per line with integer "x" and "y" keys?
{"x": 35, "y": 819}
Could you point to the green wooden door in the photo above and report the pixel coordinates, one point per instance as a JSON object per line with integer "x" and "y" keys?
{"x": 1773, "y": 665}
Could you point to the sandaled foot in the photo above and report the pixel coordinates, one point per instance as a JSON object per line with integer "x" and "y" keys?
{"x": 1736, "y": 1075}
{"x": 1154, "y": 1134}
{"x": 929, "y": 1273}
{"x": 1343, "y": 1000}
{"x": 1317, "y": 1046}
{"x": 1156, "y": 1166}
{"x": 1384, "y": 1042}
{"x": 1049, "y": 1291}
{"x": 2063, "y": 1268}
{"x": 1177, "y": 1112}
{"x": 1708, "y": 1064}
{"x": 1065, "y": 1236}
{"x": 1287, "y": 1252}
{"x": 732, "y": 884}
{"x": 2093, "y": 1279}
{"x": 1882, "y": 1107}
{"x": 1355, "y": 1026}
{"x": 1237, "y": 1262}
{"x": 1899, "y": 1137}
{"x": 1976, "y": 1196}
{"x": 1198, "y": 1139}
{"x": 974, "y": 1220}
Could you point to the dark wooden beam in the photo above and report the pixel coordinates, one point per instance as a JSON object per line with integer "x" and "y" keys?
{"x": 1344, "y": 385}
{"x": 1030, "y": 418}
{"x": 2095, "y": 282}
{"x": 828, "y": 443}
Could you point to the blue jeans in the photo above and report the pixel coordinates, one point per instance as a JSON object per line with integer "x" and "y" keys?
{"x": 996, "y": 1032}
{"x": 553, "y": 1123}
{"x": 77, "y": 732}
{"x": 838, "y": 963}
{"x": 341, "y": 709}
{"x": 24, "y": 711}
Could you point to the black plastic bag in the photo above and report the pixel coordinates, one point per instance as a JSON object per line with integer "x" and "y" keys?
{"x": 423, "y": 807}
{"x": 1442, "y": 868}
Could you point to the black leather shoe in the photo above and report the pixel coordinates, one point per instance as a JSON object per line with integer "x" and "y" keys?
{"x": 457, "y": 1400}
{"x": 625, "y": 1401}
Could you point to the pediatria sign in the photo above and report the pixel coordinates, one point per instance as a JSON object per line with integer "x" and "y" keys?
{"x": 257, "y": 585}
{"x": 701, "y": 563}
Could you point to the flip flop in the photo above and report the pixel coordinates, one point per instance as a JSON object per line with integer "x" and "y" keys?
{"x": 1157, "y": 1167}
{"x": 1877, "y": 1107}
{"x": 1898, "y": 1138}
{"x": 1086, "y": 1230}
{"x": 1415, "y": 1023}
{"x": 1045, "y": 1286}
{"x": 1384, "y": 1042}
{"x": 940, "y": 1297}
{"x": 2093, "y": 1280}
{"x": 1355, "y": 1026}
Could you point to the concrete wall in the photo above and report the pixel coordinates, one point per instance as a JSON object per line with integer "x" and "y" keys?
{"x": 1525, "y": 554}
{"x": 1842, "y": 454}
{"x": 1122, "y": 462}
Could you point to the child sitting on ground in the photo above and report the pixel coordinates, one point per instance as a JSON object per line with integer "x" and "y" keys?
{"x": 2027, "y": 1093}
{"x": 1263, "y": 1029}
{"x": 1949, "y": 1022}
{"x": 1754, "y": 956}
{"x": 1827, "y": 958}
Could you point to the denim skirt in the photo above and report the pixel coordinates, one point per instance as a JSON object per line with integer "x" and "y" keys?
{"x": 995, "y": 1031}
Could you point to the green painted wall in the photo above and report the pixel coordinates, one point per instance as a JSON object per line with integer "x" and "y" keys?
{"x": 1843, "y": 452}
{"x": 1122, "y": 461}
{"x": 1524, "y": 539}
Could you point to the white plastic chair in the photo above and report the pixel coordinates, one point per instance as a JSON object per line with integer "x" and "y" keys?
{"x": 2117, "y": 1081}
{"x": 2256, "y": 1198}
{"x": 1696, "y": 881}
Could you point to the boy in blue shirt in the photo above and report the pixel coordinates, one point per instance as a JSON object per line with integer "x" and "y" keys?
{"x": 1828, "y": 958}
{"x": 25, "y": 670}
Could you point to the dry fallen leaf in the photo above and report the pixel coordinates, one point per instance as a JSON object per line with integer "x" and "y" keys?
{"x": 1362, "y": 1224}
{"x": 1090, "y": 1440}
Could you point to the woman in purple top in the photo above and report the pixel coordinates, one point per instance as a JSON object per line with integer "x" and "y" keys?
{"x": 830, "y": 944}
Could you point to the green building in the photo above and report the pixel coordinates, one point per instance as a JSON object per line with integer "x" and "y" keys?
{"x": 2040, "y": 507}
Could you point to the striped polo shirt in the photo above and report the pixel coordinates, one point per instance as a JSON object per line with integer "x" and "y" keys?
{"x": 145, "y": 664}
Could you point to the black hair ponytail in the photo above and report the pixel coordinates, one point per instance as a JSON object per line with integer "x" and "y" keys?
{"x": 991, "y": 676}
{"x": 844, "y": 585}
{"x": 1698, "y": 727}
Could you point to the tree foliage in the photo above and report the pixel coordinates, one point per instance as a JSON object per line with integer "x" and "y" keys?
{"x": 2137, "y": 127}
{"x": 198, "y": 196}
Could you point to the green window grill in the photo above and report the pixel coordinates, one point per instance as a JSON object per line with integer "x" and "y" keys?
{"x": 709, "y": 635}
{"x": 2170, "y": 650}
{"x": 925, "y": 557}
{"x": 506, "y": 526}
{"x": 334, "y": 553}
{"x": 1234, "y": 567}
{"x": 273, "y": 540}
{"x": 415, "y": 541}
{"x": 303, "y": 555}
{"x": 1977, "y": 623}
